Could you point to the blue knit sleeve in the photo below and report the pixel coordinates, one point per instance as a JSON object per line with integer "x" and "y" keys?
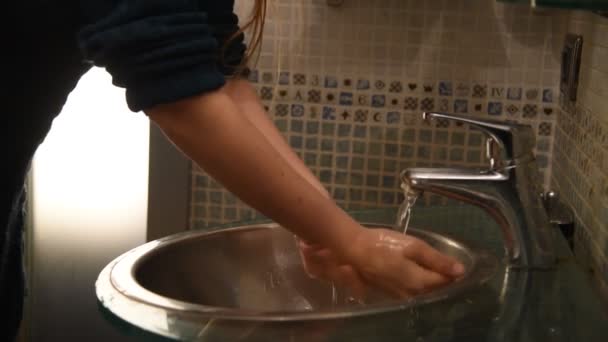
{"x": 224, "y": 25}
{"x": 160, "y": 51}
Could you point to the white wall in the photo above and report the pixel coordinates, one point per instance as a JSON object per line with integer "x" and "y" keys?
{"x": 90, "y": 188}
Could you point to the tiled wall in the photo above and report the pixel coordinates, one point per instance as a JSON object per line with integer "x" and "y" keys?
{"x": 580, "y": 167}
{"x": 347, "y": 87}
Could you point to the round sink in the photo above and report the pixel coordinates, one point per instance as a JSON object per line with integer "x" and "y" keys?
{"x": 252, "y": 275}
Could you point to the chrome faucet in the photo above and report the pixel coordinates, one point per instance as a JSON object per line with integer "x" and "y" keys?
{"x": 507, "y": 190}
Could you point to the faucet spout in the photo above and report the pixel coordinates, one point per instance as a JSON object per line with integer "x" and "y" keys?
{"x": 525, "y": 228}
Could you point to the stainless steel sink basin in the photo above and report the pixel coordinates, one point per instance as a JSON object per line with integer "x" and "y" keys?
{"x": 249, "y": 274}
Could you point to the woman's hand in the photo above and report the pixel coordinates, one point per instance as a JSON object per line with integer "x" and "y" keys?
{"x": 398, "y": 264}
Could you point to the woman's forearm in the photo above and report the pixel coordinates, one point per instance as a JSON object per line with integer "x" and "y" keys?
{"x": 246, "y": 99}
{"x": 211, "y": 130}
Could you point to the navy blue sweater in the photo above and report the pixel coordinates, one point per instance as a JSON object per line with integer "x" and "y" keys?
{"x": 160, "y": 51}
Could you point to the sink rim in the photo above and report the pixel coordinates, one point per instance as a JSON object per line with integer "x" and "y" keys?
{"x": 121, "y": 274}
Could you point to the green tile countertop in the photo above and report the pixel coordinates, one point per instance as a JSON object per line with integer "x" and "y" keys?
{"x": 555, "y": 305}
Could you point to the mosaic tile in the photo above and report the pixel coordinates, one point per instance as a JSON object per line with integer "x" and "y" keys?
{"x": 284, "y": 78}
{"x": 296, "y": 141}
{"x": 363, "y": 84}
{"x": 445, "y": 88}
{"x": 495, "y": 108}
{"x": 512, "y": 109}
{"x": 267, "y": 77}
{"x": 514, "y": 94}
{"x": 393, "y": 117}
{"x": 378, "y": 100}
{"x": 480, "y": 91}
{"x": 361, "y": 115}
{"x": 266, "y": 93}
{"x": 532, "y": 94}
{"x": 461, "y": 106}
{"x": 462, "y": 90}
{"x": 412, "y": 86}
{"x": 444, "y": 105}
{"x": 548, "y": 95}
{"x": 329, "y": 113}
{"x": 544, "y": 129}
{"x": 428, "y": 88}
{"x": 331, "y": 82}
{"x": 346, "y": 99}
{"x": 299, "y": 79}
{"x": 530, "y": 111}
{"x": 406, "y": 151}
{"x": 297, "y": 110}
{"x": 281, "y": 109}
{"x": 427, "y": 104}
{"x": 497, "y": 92}
{"x": 396, "y": 87}
{"x": 379, "y": 85}
{"x": 377, "y": 117}
{"x": 372, "y": 180}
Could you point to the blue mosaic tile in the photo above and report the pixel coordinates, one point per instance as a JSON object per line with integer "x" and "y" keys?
{"x": 215, "y": 197}
{"x": 372, "y": 180}
{"x": 406, "y": 151}
{"x": 371, "y": 196}
{"x": 424, "y": 152}
{"x": 341, "y": 178}
{"x": 312, "y": 127}
{"x": 461, "y": 106}
{"x": 310, "y": 159}
{"x": 201, "y": 181}
{"x": 548, "y": 95}
{"x": 374, "y": 149}
{"x": 475, "y": 139}
{"x": 343, "y": 146}
{"x": 514, "y": 94}
{"x": 408, "y": 135}
{"x": 363, "y": 84}
{"x": 325, "y": 176}
{"x": 456, "y": 154}
{"x": 495, "y": 108}
{"x": 340, "y": 193}
{"x": 344, "y": 130}
{"x": 373, "y": 164}
{"x": 342, "y": 162}
{"x": 378, "y": 101}
{"x": 391, "y": 150}
{"x": 389, "y": 182}
{"x": 329, "y": 113}
{"x": 393, "y": 117}
{"x": 297, "y": 126}
{"x": 359, "y": 147}
{"x": 283, "y": 78}
{"x": 356, "y": 179}
{"x": 356, "y": 195}
{"x": 346, "y": 99}
{"x": 360, "y": 131}
{"x": 312, "y": 143}
{"x": 390, "y": 165}
{"x": 425, "y": 135}
{"x": 281, "y": 125}
{"x": 441, "y": 137}
{"x": 331, "y": 82}
{"x": 297, "y": 110}
{"x": 388, "y": 197}
{"x": 200, "y": 196}
{"x": 358, "y": 163}
{"x": 295, "y": 141}
{"x": 445, "y": 88}
{"x": 473, "y": 156}
{"x": 327, "y": 145}
{"x": 328, "y": 129}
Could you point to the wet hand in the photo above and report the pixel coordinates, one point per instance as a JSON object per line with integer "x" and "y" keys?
{"x": 400, "y": 265}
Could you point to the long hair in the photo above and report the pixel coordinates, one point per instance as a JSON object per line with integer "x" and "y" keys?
{"x": 255, "y": 27}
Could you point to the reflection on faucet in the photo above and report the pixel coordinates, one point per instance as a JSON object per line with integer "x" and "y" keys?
{"x": 508, "y": 190}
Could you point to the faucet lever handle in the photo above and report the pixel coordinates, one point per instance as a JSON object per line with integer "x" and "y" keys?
{"x": 506, "y": 141}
